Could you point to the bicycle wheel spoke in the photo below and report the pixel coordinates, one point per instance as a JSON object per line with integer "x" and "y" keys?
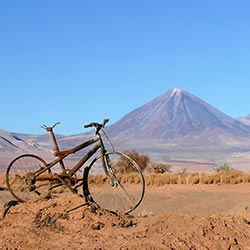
{"x": 20, "y": 177}
{"x": 121, "y": 187}
{"x": 126, "y": 194}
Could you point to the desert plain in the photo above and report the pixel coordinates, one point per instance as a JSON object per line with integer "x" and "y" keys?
{"x": 171, "y": 216}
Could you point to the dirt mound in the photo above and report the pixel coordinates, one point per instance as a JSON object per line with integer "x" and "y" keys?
{"x": 66, "y": 223}
{"x": 56, "y": 222}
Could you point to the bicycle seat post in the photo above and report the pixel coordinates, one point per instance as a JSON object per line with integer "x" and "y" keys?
{"x": 56, "y": 147}
{"x": 50, "y": 129}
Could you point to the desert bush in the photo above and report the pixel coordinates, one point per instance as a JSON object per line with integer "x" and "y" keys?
{"x": 142, "y": 160}
{"x": 160, "y": 168}
{"x": 124, "y": 165}
{"x": 224, "y": 167}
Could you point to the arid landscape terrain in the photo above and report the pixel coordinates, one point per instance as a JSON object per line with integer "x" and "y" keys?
{"x": 125, "y": 125}
{"x": 192, "y": 206}
{"x": 171, "y": 216}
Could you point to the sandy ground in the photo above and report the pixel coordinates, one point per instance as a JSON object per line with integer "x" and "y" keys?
{"x": 170, "y": 217}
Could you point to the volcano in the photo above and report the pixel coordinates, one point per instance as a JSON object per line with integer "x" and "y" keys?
{"x": 177, "y": 114}
{"x": 178, "y": 126}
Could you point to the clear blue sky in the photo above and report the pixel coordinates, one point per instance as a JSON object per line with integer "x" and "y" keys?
{"x": 85, "y": 60}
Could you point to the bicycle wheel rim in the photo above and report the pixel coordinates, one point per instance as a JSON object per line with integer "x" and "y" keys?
{"x": 16, "y": 177}
{"x": 121, "y": 188}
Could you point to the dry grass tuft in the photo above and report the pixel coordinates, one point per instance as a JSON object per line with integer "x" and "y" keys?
{"x": 146, "y": 213}
{"x": 223, "y": 177}
{"x": 2, "y": 181}
{"x": 156, "y": 179}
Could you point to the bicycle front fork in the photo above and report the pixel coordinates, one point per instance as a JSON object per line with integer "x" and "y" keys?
{"x": 85, "y": 186}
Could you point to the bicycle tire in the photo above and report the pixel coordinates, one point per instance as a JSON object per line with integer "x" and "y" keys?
{"x": 120, "y": 188}
{"x": 20, "y": 178}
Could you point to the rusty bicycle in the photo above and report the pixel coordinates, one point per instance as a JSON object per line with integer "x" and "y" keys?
{"x": 111, "y": 179}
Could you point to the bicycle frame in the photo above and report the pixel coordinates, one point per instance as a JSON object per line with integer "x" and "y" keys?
{"x": 63, "y": 154}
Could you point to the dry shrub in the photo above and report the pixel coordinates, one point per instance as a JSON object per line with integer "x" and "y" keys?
{"x": 142, "y": 160}
{"x": 160, "y": 168}
{"x": 224, "y": 167}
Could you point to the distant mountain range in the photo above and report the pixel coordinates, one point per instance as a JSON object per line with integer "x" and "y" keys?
{"x": 176, "y": 127}
{"x": 245, "y": 120}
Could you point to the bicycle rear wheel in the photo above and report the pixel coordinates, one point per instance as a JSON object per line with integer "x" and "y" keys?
{"x": 120, "y": 187}
{"x": 21, "y": 180}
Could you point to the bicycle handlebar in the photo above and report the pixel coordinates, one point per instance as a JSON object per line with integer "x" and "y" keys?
{"x": 97, "y": 125}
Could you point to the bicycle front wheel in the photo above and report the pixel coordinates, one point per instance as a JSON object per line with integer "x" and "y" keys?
{"x": 117, "y": 186}
{"x": 21, "y": 180}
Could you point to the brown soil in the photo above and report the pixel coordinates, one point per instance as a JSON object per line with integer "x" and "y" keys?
{"x": 170, "y": 217}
